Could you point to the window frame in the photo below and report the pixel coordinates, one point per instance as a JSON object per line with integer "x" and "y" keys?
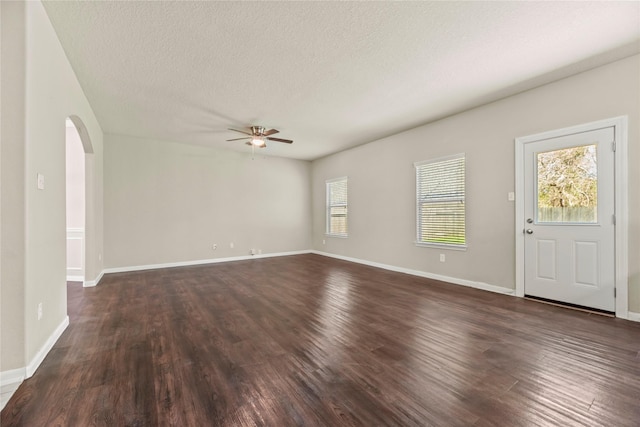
{"x": 419, "y": 203}
{"x": 330, "y": 205}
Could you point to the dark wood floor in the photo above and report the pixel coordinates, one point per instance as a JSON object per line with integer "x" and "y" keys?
{"x": 309, "y": 340}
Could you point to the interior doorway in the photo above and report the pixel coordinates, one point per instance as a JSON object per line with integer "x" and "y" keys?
{"x": 75, "y": 202}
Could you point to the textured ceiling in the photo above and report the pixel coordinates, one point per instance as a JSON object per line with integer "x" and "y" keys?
{"x": 329, "y": 75}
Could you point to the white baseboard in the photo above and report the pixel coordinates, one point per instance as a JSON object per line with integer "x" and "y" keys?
{"x": 11, "y": 380}
{"x": 92, "y": 283}
{"x": 198, "y": 262}
{"x": 454, "y": 280}
{"x": 75, "y": 279}
{"x": 635, "y": 317}
{"x": 42, "y": 353}
{"x": 12, "y": 376}
{"x": 9, "y": 383}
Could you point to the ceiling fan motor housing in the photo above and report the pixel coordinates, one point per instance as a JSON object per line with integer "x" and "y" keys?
{"x": 257, "y": 130}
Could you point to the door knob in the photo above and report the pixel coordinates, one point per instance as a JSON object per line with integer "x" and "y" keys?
{"x": 529, "y": 231}
{"x": 529, "y": 220}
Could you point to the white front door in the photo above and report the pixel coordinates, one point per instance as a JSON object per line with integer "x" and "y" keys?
{"x": 569, "y": 223}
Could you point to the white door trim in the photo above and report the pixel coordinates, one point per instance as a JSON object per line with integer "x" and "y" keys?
{"x": 620, "y": 125}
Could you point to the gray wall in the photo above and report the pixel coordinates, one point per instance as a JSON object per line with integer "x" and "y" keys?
{"x": 382, "y": 178}
{"x": 12, "y": 209}
{"x": 167, "y": 202}
{"x": 39, "y": 91}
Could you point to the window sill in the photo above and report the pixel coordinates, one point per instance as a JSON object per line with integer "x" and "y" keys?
{"x": 441, "y": 246}
{"x": 339, "y": 236}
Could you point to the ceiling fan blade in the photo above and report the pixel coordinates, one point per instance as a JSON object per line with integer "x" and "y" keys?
{"x": 271, "y": 132}
{"x": 286, "y": 141}
{"x": 241, "y": 131}
{"x": 238, "y": 139}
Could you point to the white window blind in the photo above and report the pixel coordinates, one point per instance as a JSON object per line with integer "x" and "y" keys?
{"x": 337, "y": 207}
{"x": 441, "y": 201}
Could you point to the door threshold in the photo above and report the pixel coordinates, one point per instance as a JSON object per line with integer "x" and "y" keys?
{"x": 572, "y": 306}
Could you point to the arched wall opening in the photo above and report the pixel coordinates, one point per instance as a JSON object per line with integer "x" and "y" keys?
{"x": 78, "y": 167}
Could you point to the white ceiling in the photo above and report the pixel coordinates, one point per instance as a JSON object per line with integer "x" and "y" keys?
{"x": 329, "y": 75}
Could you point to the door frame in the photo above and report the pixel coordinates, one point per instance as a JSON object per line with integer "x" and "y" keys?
{"x": 621, "y": 183}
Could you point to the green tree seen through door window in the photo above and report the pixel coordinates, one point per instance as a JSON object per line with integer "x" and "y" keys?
{"x": 568, "y": 185}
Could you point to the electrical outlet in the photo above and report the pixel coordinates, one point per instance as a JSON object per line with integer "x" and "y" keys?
{"x": 214, "y": 246}
{"x": 324, "y": 241}
{"x": 39, "y": 311}
{"x": 231, "y": 245}
{"x": 442, "y": 257}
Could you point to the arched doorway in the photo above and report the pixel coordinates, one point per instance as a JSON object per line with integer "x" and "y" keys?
{"x": 78, "y": 147}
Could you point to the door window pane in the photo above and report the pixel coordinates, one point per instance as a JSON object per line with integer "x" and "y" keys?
{"x": 568, "y": 185}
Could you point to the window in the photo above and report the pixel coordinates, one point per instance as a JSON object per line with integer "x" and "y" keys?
{"x": 337, "y": 207}
{"x": 568, "y": 185}
{"x": 440, "y": 202}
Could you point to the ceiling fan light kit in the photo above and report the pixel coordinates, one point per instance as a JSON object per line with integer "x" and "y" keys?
{"x": 258, "y": 136}
{"x": 258, "y": 142}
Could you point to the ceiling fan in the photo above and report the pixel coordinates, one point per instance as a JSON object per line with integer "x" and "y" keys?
{"x": 258, "y": 136}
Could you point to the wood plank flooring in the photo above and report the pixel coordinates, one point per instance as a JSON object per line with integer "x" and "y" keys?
{"x": 313, "y": 341}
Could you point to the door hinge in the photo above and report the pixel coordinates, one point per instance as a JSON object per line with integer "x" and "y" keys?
{"x": 613, "y": 218}
{"x": 613, "y": 146}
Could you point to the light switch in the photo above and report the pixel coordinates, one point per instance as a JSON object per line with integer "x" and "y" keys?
{"x": 511, "y": 196}
{"x": 40, "y": 181}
